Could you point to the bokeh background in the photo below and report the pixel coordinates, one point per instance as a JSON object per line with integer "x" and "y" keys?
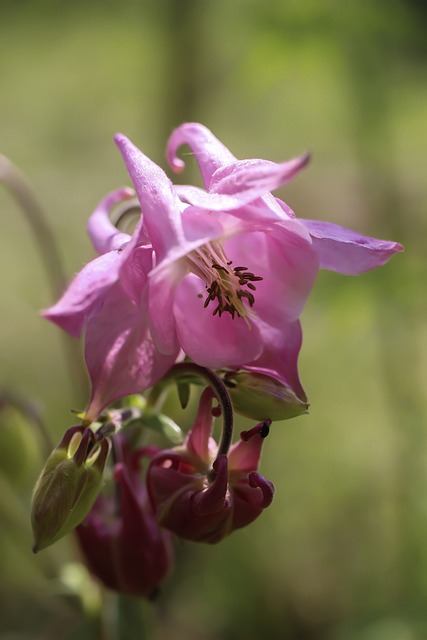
{"x": 342, "y": 552}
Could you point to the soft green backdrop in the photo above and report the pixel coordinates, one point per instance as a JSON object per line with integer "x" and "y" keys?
{"x": 342, "y": 552}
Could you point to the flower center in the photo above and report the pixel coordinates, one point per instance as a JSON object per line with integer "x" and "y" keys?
{"x": 227, "y": 287}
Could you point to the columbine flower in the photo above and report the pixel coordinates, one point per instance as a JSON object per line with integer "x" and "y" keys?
{"x": 120, "y": 539}
{"x": 221, "y": 274}
{"x": 201, "y": 496}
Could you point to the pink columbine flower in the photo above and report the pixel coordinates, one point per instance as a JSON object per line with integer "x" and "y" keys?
{"x": 221, "y": 274}
{"x": 201, "y": 496}
{"x": 120, "y": 540}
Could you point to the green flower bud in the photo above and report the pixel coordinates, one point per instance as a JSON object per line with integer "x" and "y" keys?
{"x": 68, "y": 485}
{"x": 259, "y": 396}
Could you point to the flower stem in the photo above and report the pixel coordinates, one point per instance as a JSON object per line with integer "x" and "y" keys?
{"x": 190, "y": 369}
{"x": 16, "y": 183}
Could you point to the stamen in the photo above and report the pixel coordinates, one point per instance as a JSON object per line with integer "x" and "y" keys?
{"x": 228, "y": 287}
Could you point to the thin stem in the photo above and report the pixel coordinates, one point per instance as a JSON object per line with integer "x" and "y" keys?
{"x": 30, "y": 411}
{"x": 15, "y": 182}
{"x": 185, "y": 369}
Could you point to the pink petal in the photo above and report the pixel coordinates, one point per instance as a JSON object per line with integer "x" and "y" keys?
{"x": 85, "y": 294}
{"x": 198, "y": 439}
{"x": 213, "y": 500}
{"x": 209, "y": 340}
{"x": 162, "y": 286}
{"x": 120, "y": 353}
{"x": 252, "y": 178}
{"x": 347, "y": 251}
{"x": 241, "y": 205}
{"x": 245, "y": 453}
{"x": 104, "y": 235}
{"x": 199, "y": 229}
{"x": 250, "y": 496}
{"x": 161, "y": 208}
{"x": 286, "y": 262}
{"x": 134, "y": 270}
{"x": 209, "y": 151}
{"x": 280, "y": 355}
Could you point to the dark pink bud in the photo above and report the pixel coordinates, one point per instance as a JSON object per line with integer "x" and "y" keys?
{"x": 202, "y": 497}
{"x": 121, "y": 542}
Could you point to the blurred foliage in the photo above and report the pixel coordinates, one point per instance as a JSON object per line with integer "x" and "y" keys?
{"x": 342, "y": 553}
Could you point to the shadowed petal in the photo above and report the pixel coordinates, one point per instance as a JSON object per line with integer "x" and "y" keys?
{"x": 120, "y": 353}
{"x": 85, "y": 294}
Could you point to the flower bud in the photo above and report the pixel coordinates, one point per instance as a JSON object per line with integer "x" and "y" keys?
{"x": 120, "y": 540}
{"x": 202, "y": 496}
{"x": 68, "y": 485}
{"x": 259, "y": 396}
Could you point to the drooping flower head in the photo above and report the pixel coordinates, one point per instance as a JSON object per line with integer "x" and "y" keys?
{"x": 202, "y": 496}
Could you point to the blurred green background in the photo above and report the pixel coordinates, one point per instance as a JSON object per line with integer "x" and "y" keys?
{"x": 342, "y": 552}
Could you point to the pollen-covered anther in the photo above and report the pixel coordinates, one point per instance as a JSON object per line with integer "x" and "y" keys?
{"x": 227, "y": 290}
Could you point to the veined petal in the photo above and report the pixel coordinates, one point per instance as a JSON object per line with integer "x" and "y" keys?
{"x": 285, "y": 260}
{"x": 241, "y": 205}
{"x": 85, "y": 294}
{"x": 160, "y": 206}
{"x": 120, "y": 352}
{"x": 103, "y": 234}
{"x": 252, "y": 178}
{"x": 347, "y": 251}
{"x": 209, "y": 151}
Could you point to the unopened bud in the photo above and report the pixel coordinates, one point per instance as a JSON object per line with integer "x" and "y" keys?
{"x": 259, "y": 396}
{"x": 68, "y": 485}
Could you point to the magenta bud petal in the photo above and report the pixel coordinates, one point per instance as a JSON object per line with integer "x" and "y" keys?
{"x": 256, "y": 480}
{"x": 213, "y": 499}
{"x": 120, "y": 539}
